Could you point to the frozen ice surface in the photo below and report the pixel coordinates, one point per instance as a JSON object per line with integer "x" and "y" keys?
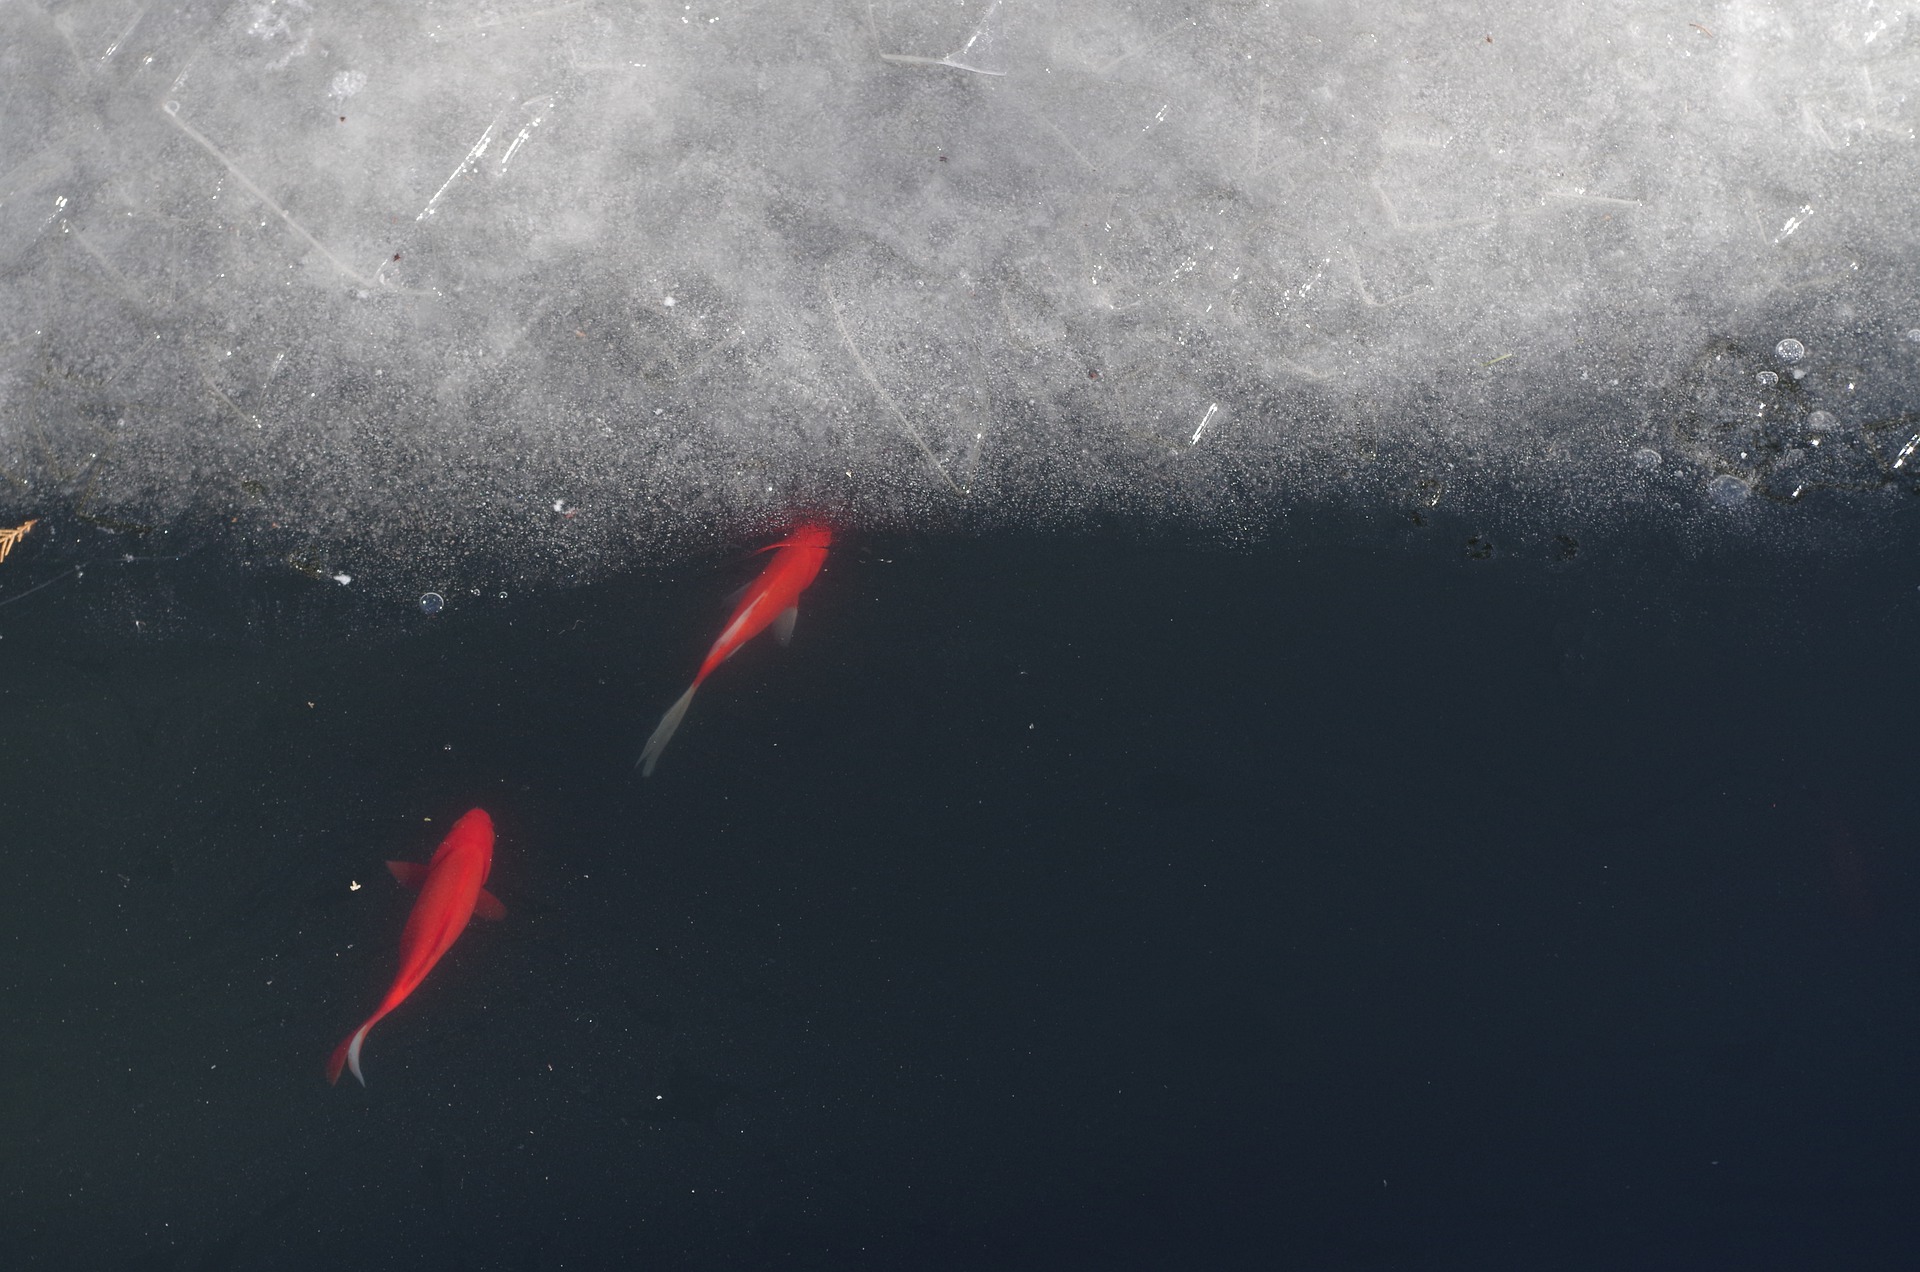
{"x": 573, "y": 285}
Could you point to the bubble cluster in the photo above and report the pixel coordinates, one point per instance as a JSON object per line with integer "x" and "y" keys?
{"x": 1728, "y": 491}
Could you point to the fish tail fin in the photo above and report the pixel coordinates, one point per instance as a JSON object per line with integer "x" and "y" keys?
{"x": 663, "y": 733}
{"x": 347, "y": 1055}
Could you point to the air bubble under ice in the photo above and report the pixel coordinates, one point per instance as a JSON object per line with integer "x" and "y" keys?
{"x": 373, "y": 282}
{"x": 1728, "y": 491}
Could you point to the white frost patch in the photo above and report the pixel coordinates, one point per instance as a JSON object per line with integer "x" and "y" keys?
{"x": 346, "y": 84}
{"x": 275, "y": 20}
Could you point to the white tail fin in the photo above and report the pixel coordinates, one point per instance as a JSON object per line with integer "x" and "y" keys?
{"x": 664, "y": 733}
{"x": 353, "y": 1053}
{"x": 349, "y": 1051}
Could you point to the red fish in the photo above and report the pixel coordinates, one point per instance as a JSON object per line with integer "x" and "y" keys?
{"x": 772, "y": 600}
{"x": 450, "y": 894}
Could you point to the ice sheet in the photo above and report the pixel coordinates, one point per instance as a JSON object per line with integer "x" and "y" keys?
{"x": 572, "y": 286}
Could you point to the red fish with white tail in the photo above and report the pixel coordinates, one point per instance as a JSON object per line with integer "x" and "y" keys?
{"x": 452, "y": 891}
{"x": 772, "y": 600}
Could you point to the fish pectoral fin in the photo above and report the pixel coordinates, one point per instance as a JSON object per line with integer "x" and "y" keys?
{"x": 411, "y": 874}
{"x": 487, "y": 906}
{"x": 783, "y": 625}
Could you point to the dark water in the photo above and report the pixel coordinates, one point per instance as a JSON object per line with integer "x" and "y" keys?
{"x": 1353, "y": 903}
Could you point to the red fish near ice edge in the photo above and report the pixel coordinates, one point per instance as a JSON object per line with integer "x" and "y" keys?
{"x": 451, "y": 893}
{"x": 772, "y": 600}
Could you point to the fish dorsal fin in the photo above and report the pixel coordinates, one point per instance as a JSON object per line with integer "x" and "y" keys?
{"x": 487, "y": 906}
{"x": 783, "y": 625}
{"x": 411, "y": 874}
